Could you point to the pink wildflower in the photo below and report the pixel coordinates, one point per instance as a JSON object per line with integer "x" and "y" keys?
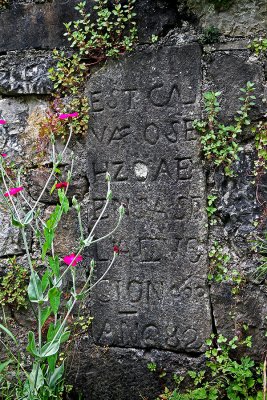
{"x": 116, "y": 249}
{"x": 3, "y": 155}
{"x": 13, "y": 191}
{"x": 2, "y": 121}
{"x": 61, "y": 185}
{"x": 71, "y": 115}
{"x": 71, "y": 260}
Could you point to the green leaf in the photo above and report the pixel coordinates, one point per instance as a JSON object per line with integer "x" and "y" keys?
{"x": 4, "y": 364}
{"x": 45, "y": 280}
{"x": 49, "y": 349}
{"x": 54, "y": 298}
{"x": 16, "y": 223}
{"x": 56, "y": 376}
{"x": 64, "y": 337}
{"x": 31, "y": 348}
{"x": 35, "y": 288}
{"x": 54, "y": 265}
{"x": 10, "y": 334}
{"x": 45, "y": 313}
{"x": 28, "y": 217}
{"x": 63, "y": 200}
{"x": 39, "y": 382}
{"x": 52, "y": 360}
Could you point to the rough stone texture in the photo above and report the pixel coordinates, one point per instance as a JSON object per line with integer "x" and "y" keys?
{"x": 126, "y": 371}
{"x": 155, "y": 304}
{"x": 228, "y": 72}
{"x": 11, "y": 242}
{"x": 231, "y": 313}
{"x": 243, "y": 18}
{"x": 46, "y": 29}
{"x": 141, "y": 132}
{"x": 22, "y": 73}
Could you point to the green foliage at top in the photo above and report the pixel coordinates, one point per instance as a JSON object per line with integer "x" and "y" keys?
{"x": 219, "y": 141}
{"x": 221, "y": 5}
{"x": 210, "y": 35}
{"x": 226, "y": 376}
{"x": 258, "y": 46}
{"x": 109, "y": 32}
{"x": 13, "y": 286}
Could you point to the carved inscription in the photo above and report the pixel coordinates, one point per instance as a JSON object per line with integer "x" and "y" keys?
{"x": 141, "y": 133}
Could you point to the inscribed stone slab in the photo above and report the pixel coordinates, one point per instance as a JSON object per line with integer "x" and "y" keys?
{"x": 141, "y": 132}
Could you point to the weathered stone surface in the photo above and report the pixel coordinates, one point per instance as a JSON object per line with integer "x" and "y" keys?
{"x": 141, "y": 132}
{"x": 11, "y": 242}
{"x": 231, "y": 313}
{"x": 30, "y": 25}
{"x": 228, "y": 72}
{"x": 22, "y": 73}
{"x": 38, "y": 178}
{"x": 27, "y": 25}
{"x": 126, "y": 371}
{"x": 243, "y": 18}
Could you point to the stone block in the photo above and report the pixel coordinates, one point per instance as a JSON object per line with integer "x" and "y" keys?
{"x": 141, "y": 132}
{"x": 25, "y": 73}
{"x": 228, "y": 72}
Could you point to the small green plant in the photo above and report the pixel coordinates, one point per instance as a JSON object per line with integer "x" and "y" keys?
{"x": 227, "y": 376}
{"x": 52, "y": 305}
{"x": 218, "y": 261}
{"x": 221, "y": 5}
{"x": 219, "y": 270}
{"x": 152, "y": 367}
{"x": 259, "y": 245}
{"x": 258, "y": 46}
{"x": 210, "y": 35}
{"x": 111, "y": 33}
{"x": 220, "y": 142}
{"x": 154, "y": 38}
{"x": 13, "y": 286}
{"x": 211, "y": 209}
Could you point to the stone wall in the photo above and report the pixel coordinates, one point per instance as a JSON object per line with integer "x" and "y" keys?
{"x": 155, "y": 305}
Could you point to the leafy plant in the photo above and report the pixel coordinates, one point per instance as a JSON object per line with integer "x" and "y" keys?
{"x": 111, "y": 33}
{"x": 152, "y": 367}
{"x": 211, "y": 209}
{"x": 210, "y": 35}
{"x": 227, "y": 376}
{"x": 45, "y": 293}
{"x": 13, "y": 286}
{"x": 258, "y": 46}
{"x": 221, "y": 5}
{"x": 220, "y": 142}
{"x": 219, "y": 270}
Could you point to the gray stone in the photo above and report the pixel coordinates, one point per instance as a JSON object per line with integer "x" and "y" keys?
{"x": 22, "y": 73}
{"x": 126, "y": 371}
{"x": 242, "y": 18}
{"x": 39, "y": 25}
{"x": 11, "y": 242}
{"x": 141, "y": 132}
{"x": 228, "y": 72}
{"x": 232, "y": 312}
{"x": 38, "y": 178}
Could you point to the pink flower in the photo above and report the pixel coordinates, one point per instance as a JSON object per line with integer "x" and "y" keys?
{"x": 116, "y": 249}
{"x": 13, "y": 191}
{"x": 3, "y": 155}
{"x": 2, "y": 121}
{"x": 61, "y": 185}
{"x": 71, "y": 115}
{"x": 72, "y": 259}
